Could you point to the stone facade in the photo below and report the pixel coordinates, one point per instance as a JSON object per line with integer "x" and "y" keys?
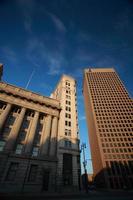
{"x": 28, "y": 140}
{"x": 32, "y": 142}
{"x": 68, "y": 135}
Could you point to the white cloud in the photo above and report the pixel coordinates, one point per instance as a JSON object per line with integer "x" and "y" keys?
{"x": 38, "y": 53}
{"x": 55, "y": 65}
{"x": 57, "y": 22}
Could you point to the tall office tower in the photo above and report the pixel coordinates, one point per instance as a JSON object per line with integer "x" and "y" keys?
{"x": 68, "y": 135}
{"x": 109, "y": 112}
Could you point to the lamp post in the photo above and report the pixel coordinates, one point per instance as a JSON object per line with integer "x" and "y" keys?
{"x": 83, "y": 146}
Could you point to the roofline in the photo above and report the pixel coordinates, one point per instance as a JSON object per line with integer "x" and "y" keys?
{"x": 63, "y": 75}
{"x": 29, "y": 91}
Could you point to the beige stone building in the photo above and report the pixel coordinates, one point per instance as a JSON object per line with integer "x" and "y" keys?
{"x": 68, "y": 134}
{"x": 33, "y": 144}
{"x": 109, "y": 112}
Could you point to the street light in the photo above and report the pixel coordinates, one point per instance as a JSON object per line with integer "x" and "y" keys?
{"x": 83, "y": 147}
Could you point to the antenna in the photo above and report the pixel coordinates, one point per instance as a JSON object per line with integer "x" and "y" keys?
{"x": 30, "y": 78}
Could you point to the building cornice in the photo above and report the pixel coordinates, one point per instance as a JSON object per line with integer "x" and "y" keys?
{"x": 28, "y": 95}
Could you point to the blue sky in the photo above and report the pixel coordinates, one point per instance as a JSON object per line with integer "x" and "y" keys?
{"x": 65, "y": 36}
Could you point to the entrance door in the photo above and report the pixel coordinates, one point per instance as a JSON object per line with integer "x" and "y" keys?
{"x": 67, "y": 169}
{"x": 45, "y": 180}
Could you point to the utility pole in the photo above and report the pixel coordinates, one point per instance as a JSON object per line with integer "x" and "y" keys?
{"x": 83, "y": 146}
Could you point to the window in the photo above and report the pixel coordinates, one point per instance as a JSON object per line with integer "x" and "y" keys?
{"x": 32, "y": 173}
{"x": 68, "y": 102}
{"x": 67, "y": 132}
{"x": 2, "y": 144}
{"x": 22, "y": 135}
{"x": 26, "y": 124}
{"x": 67, "y": 83}
{"x": 68, "y": 144}
{"x": 38, "y": 138}
{"x": 19, "y": 149}
{"x": 12, "y": 171}
{"x": 67, "y": 115}
{"x": 6, "y": 132}
{"x": 35, "y": 151}
{"x": 40, "y": 127}
{"x": 68, "y": 108}
{"x": 68, "y": 91}
{"x": 11, "y": 120}
{"x": 67, "y": 123}
{"x": 68, "y": 97}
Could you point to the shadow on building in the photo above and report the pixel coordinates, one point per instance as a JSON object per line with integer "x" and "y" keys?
{"x": 118, "y": 176}
{"x": 40, "y": 173}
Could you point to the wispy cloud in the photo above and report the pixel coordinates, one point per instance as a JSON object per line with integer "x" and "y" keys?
{"x": 9, "y": 53}
{"x": 38, "y": 53}
{"x": 55, "y": 67}
{"x": 57, "y": 22}
{"x": 27, "y": 9}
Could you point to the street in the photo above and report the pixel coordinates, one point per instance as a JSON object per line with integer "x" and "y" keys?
{"x": 94, "y": 195}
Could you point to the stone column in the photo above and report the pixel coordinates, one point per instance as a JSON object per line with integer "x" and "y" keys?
{"x": 31, "y": 134}
{"x": 46, "y": 136}
{"x": 53, "y": 139}
{"x": 15, "y": 130}
{"x": 75, "y": 170}
{"x": 59, "y": 179}
{"x": 4, "y": 115}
